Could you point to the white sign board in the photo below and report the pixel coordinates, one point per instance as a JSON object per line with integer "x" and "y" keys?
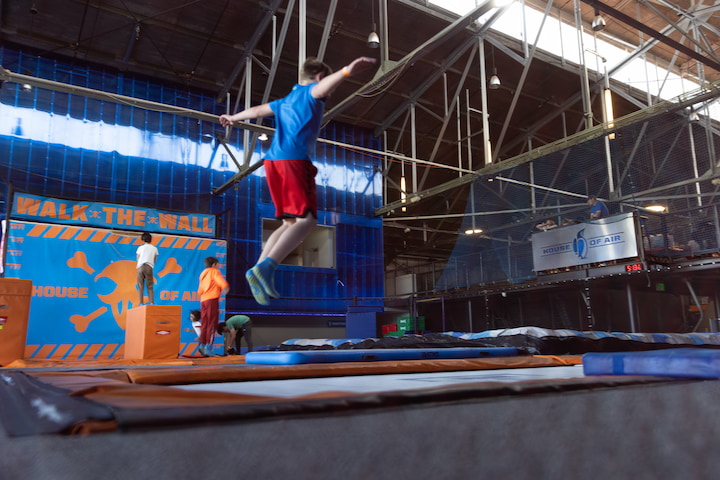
{"x": 611, "y": 238}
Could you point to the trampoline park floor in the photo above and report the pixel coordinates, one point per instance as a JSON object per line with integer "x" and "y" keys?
{"x": 530, "y": 416}
{"x": 386, "y": 382}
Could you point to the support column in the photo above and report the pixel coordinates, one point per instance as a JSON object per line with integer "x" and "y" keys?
{"x": 585, "y": 84}
{"x": 485, "y": 117}
{"x": 631, "y": 308}
{"x": 302, "y": 29}
{"x": 442, "y": 309}
{"x": 470, "y": 321}
{"x": 488, "y": 324}
{"x": 590, "y": 319}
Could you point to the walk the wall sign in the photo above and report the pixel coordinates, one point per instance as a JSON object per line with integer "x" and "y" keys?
{"x": 81, "y": 257}
{"x": 111, "y": 216}
{"x": 611, "y": 238}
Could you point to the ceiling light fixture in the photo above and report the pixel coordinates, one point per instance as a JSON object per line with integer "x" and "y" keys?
{"x": 494, "y": 82}
{"x": 263, "y": 137}
{"x": 598, "y": 23}
{"x": 609, "y": 115}
{"x": 373, "y": 40}
{"x": 656, "y": 208}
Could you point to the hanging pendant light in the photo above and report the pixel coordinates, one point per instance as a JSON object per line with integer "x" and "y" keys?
{"x": 373, "y": 40}
{"x": 598, "y": 23}
{"x": 494, "y": 82}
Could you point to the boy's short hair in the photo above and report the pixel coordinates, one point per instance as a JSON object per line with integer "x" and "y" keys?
{"x": 196, "y": 313}
{"x": 210, "y": 261}
{"x": 312, "y": 67}
{"x": 221, "y": 328}
{"x": 146, "y": 237}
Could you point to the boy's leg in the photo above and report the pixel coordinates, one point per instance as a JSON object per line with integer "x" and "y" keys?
{"x": 204, "y": 321}
{"x": 208, "y": 312}
{"x": 212, "y": 328}
{"x": 238, "y": 337}
{"x": 290, "y": 235}
{"x": 247, "y": 333}
{"x": 150, "y": 286}
{"x": 140, "y": 278}
{"x": 266, "y": 279}
{"x": 272, "y": 240}
{"x": 293, "y": 190}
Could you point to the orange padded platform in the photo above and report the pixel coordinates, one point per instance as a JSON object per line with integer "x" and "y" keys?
{"x": 153, "y": 331}
{"x": 14, "y": 312}
{"x": 127, "y": 397}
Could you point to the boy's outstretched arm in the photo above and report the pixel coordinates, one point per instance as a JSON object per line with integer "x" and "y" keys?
{"x": 328, "y": 84}
{"x": 263, "y": 110}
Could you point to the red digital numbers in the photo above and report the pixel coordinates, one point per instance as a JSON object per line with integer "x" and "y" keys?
{"x": 635, "y": 267}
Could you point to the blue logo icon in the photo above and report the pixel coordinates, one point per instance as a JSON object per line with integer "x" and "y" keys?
{"x": 580, "y": 245}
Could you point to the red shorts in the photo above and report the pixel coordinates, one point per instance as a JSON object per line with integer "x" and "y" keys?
{"x": 292, "y": 187}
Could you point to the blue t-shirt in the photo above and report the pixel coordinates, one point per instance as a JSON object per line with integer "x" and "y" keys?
{"x": 599, "y": 207}
{"x": 298, "y": 118}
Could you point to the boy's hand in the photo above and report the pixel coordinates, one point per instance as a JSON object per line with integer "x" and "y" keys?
{"x": 360, "y": 64}
{"x": 226, "y": 120}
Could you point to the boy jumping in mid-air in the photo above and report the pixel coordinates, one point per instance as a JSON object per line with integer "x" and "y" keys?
{"x": 289, "y": 170}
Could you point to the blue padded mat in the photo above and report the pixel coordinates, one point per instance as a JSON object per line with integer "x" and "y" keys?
{"x": 674, "y": 362}
{"x": 373, "y": 355}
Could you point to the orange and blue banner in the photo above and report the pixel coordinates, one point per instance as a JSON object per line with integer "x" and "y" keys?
{"x": 108, "y": 215}
{"x": 84, "y": 282}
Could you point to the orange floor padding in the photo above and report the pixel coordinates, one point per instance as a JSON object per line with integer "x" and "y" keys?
{"x": 230, "y": 373}
{"x": 152, "y": 387}
{"x": 145, "y": 394}
{"x": 236, "y": 360}
{"x": 208, "y": 370}
{"x": 121, "y": 362}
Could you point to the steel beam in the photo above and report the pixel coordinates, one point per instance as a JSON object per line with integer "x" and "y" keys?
{"x": 252, "y": 43}
{"x": 521, "y": 84}
{"x": 576, "y": 139}
{"x": 326, "y": 30}
{"x": 389, "y": 71}
{"x": 618, "y": 15}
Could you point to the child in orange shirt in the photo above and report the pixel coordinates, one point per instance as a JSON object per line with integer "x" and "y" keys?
{"x": 212, "y": 287}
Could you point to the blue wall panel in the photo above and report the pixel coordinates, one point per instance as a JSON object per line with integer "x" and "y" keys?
{"x": 69, "y": 146}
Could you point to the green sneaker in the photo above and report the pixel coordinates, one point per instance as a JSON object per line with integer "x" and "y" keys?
{"x": 257, "y": 288}
{"x": 268, "y": 285}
